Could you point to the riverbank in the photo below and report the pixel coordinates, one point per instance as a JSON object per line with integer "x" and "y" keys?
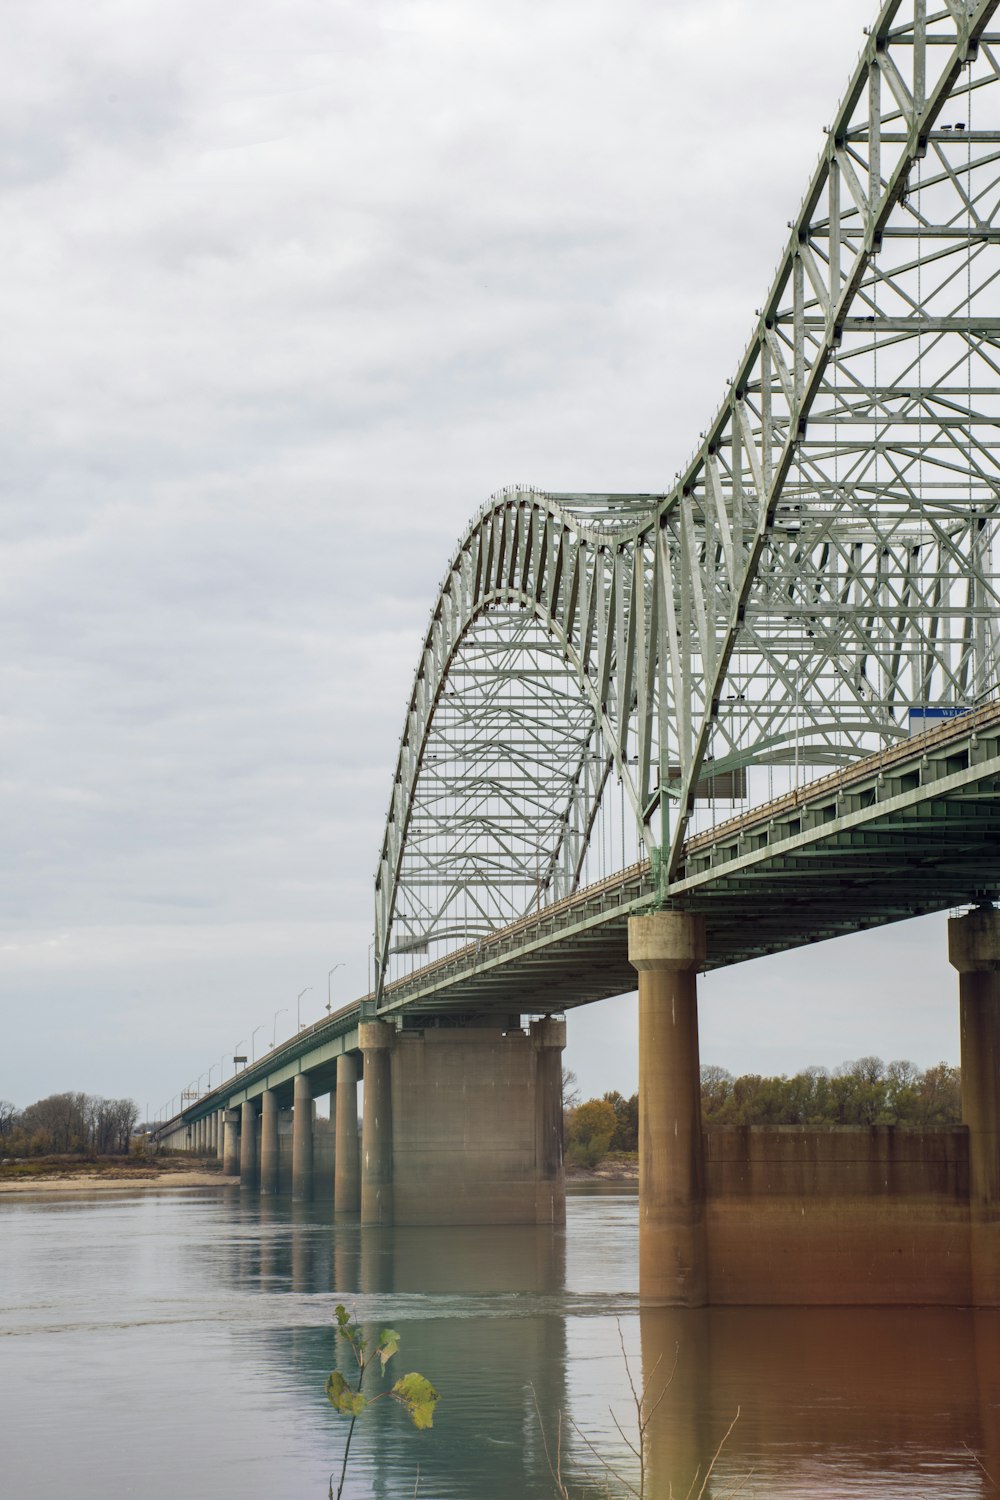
{"x": 621, "y": 1166}
{"x": 66, "y": 1175}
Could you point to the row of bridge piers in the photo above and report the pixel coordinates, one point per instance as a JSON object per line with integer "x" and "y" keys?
{"x": 460, "y": 1125}
{"x": 463, "y": 1125}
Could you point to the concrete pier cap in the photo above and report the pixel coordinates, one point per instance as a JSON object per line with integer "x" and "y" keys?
{"x": 667, "y": 940}
{"x": 549, "y": 1033}
{"x": 974, "y": 941}
{"x": 374, "y": 1036}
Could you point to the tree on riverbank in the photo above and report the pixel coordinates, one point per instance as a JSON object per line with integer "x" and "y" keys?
{"x": 865, "y": 1092}
{"x": 70, "y": 1124}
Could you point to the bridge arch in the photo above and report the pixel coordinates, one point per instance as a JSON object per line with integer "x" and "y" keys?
{"x": 823, "y": 573}
{"x": 512, "y": 731}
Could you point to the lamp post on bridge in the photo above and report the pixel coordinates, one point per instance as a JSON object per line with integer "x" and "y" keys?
{"x": 329, "y": 993}
{"x": 298, "y": 1008}
{"x": 253, "y": 1042}
{"x": 274, "y": 1029}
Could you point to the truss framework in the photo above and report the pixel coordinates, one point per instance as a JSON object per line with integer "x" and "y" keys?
{"x": 824, "y": 571}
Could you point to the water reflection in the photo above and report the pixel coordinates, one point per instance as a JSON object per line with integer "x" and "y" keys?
{"x": 831, "y": 1401}
{"x": 185, "y": 1340}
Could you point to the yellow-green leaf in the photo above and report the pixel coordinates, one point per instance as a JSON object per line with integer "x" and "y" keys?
{"x": 388, "y": 1344}
{"x": 416, "y": 1393}
{"x": 342, "y": 1398}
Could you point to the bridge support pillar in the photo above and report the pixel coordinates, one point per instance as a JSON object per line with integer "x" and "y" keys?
{"x": 974, "y": 950}
{"x": 269, "y": 1141}
{"x": 463, "y": 1125}
{"x": 667, "y": 948}
{"x": 346, "y": 1178}
{"x": 549, "y": 1038}
{"x": 248, "y": 1145}
{"x": 220, "y": 1134}
{"x": 230, "y": 1142}
{"x": 302, "y": 1138}
{"x": 376, "y": 1040}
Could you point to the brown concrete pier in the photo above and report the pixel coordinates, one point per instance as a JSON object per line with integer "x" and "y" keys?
{"x": 974, "y": 950}
{"x": 231, "y": 1140}
{"x": 667, "y": 949}
{"x": 376, "y": 1039}
{"x": 269, "y": 1141}
{"x": 302, "y": 1138}
{"x": 248, "y": 1145}
{"x": 463, "y": 1125}
{"x": 346, "y": 1172}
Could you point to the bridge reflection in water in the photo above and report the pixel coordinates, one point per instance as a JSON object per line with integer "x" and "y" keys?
{"x": 831, "y": 1401}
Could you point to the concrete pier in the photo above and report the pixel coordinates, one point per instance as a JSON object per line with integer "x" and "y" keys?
{"x": 376, "y": 1039}
{"x": 346, "y": 1173}
{"x": 231, "y": 1142}
{"x": 248, "y": 1145}
{"x": 220, "y": 1134}
{"x": 549, "y": 1039}
{"x": 269, "y": 1141}
{"x": 463, "y": 1125}
{"x": 302, "y": 1138}
{"x": 974, "y": 950}
{"x": 667, "y": 949}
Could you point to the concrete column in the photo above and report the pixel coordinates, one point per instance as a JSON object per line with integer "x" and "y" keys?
{"x": 269, "y": 1141}
{"x": 231, "y": 1142}
{"x": 974, "y": 949}
{"x": 667, "y": 948}
{"x": 376, "y": 1039}
{"x": 248, "y": 1145}
{"x": 346, "y": 1178}
{"x": 220, "y": 1134}
{"x": 200, "y": 1137}
{"x": 302, "y": 1138}
{"x": 549, "y": 1038}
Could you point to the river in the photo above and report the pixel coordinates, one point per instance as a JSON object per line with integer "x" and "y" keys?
{"x": 176, "y": 1343}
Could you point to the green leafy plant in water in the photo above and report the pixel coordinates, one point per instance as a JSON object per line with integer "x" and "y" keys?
{"x": 413, "y": 1392}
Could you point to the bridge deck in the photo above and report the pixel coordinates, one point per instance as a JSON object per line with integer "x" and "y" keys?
{"x": 911, "y": 830}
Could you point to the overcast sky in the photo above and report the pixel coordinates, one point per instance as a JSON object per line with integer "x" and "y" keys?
{"x": 289, "y": 290}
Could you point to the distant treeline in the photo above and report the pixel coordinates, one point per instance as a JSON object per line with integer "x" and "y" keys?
{"x": 865, "y": 1092}
{"x": 68, "y": 1125}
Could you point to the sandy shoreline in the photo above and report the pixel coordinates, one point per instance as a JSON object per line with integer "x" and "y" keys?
{"x": 85, "y": 1182}
{"x": 144, "y": 1179}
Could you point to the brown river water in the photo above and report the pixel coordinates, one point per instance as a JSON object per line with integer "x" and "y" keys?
{"x": 176, "y": 1343}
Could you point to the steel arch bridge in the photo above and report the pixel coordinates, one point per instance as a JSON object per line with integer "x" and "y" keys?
{"x": 604, "y": 675}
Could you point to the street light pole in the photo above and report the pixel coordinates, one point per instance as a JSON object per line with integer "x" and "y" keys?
{"x": 253, "y": 1042}
{"x": 274, "y": 1028}
{"x": 329, "y": 995}
{"x": 298, "y": 1007}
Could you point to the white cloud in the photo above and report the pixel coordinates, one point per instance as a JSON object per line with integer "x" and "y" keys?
{"x": 289, "y": 290}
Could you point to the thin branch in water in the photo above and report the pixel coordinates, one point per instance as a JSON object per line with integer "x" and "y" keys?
{"x": 715, "y": 1457}
{"x": 980, "y": 1465}
{"x": 555, "y": 1471}
{"x": 609, "y": 1468}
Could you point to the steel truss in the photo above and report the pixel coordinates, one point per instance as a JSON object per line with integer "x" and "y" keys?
{"x": 822, "y": 573}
